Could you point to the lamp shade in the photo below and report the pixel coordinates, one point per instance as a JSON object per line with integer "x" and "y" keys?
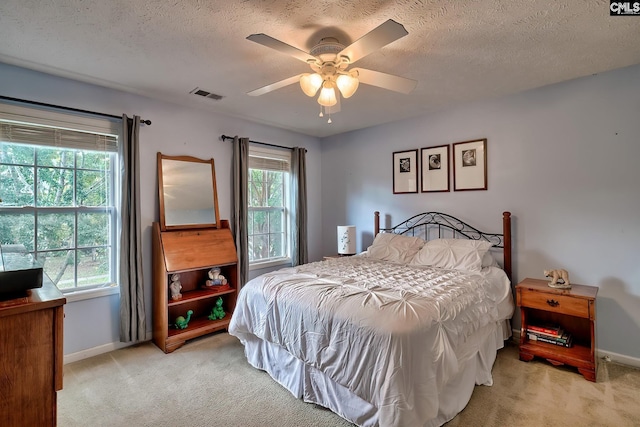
{"x": 347, "y": 85}
{"x": 327, "y": 96}
{"x": 310, "y": 83}
{"x": 346, "y": 239}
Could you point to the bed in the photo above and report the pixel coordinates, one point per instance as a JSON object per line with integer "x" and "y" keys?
{"x": 396, "y": 336}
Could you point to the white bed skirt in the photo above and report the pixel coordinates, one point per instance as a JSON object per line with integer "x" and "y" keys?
{"x": 475, "y": 361}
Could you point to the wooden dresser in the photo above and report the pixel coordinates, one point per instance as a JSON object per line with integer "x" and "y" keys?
{"x": 574, "y": 310}
{"x": 31, "y": 356}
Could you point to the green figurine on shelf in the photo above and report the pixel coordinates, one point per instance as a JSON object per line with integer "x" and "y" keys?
{"x": 217, "y": 312}
{"x": 181, "y": 322}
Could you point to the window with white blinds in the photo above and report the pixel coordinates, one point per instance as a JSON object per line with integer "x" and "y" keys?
{"x": 268, "y": 195}
{"x": 264, "y": 163}
{"x": 26, "y": 133}
{"x": 58, "y": 184}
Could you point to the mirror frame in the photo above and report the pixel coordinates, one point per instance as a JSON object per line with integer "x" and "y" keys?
{"x": 163, "y": 225}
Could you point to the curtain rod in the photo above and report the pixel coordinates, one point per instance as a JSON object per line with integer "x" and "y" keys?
{"x": 76, "y": 110}
{"x": 225, "y": 137}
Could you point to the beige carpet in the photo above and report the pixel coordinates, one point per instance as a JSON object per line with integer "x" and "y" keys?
{"x": 209, "y": 383}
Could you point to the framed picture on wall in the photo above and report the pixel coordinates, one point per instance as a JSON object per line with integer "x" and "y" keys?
{"x": 405, "y": 171}
{"x": 435, "y": 169}
{"x": 470, "y": 165}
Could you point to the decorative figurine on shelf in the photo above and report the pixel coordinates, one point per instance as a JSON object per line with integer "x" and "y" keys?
{"x": 181, "y": 322}
{"x": 215, "y": 278}
{"x": 217, "y": 312}
{"x": 175, "y": 286}
{"x": 559, "y": 279}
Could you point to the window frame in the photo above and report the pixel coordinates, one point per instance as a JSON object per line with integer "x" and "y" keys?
{"x": 13, "y": 112}
{"x": 283, "y": 155}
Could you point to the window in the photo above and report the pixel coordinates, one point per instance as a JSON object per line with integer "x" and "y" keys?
{"x": 58, "y": 185}
{"x": 268, "y": 194}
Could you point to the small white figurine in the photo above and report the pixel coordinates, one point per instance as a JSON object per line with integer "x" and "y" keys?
{"x": 215, "y": 278}
{"x": 559, "y": 278}
{"x": 175, "y": 286}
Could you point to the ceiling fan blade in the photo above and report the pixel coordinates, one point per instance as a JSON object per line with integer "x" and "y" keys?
{"x": 380, "y": 36}
{"x": 282, "y": 47}
{"x": 385, "y": 81}
{"x": 273, "y": 86}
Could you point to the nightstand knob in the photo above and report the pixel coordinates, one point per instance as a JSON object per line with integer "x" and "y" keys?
{"x": 553, "y": 303}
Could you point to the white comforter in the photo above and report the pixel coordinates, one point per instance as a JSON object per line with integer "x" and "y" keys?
{"x": 390, "y": 333}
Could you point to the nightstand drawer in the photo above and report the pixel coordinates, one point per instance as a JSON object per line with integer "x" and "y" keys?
{"x": 556, "y": 303}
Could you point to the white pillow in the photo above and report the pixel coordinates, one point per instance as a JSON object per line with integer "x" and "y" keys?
{"x": 395, "y": 247}
{"x": 452, "y": 254}
{"x": 488, "y": 260}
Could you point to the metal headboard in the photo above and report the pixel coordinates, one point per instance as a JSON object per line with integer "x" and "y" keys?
{"x": 421, "y": 224}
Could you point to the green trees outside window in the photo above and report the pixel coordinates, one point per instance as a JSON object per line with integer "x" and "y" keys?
{"x": 267, "y": 215}
{"x": 57, "y": 206}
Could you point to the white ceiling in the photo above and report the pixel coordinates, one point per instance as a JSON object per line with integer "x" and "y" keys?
{"x": 458, "y": 51}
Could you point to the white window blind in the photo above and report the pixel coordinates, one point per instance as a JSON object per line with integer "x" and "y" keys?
{"x": 27, "y": 133}
{"x": 272, "y": 160}
{"x": 50, "y": 128}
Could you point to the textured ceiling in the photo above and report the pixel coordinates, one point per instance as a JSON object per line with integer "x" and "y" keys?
{"x": 458, "y": 51}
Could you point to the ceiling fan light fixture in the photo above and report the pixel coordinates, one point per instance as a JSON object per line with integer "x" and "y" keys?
{"x": 327, "y": 96}
{"x": 347, "y": 85}
{"x": 310, "y": 83}
{"x": 329, "y": 61}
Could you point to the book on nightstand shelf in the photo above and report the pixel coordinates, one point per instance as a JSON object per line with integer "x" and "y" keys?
{"x": 564, "y": 340}
{"x": 544, "y": 334}
{"x": 551, "y": 334}
{"x": 551, "y": 330}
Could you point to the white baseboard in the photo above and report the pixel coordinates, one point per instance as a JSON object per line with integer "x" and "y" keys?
{"x": 101, "y": 349}
{"x": 605, "y": 355}
{"x": 622, "y": 359}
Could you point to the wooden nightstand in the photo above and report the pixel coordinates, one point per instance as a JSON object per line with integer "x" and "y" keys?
{"x": 324, "y": 258}
{"x": 572, "y": 309}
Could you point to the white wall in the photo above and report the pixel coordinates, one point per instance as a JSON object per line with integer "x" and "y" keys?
{"x": 176, "y": 130}
{"x": 563, "y": 159}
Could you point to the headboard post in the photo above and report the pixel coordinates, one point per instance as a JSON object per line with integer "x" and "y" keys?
{"x": 376, "y": 223}
{"x": 506, "y": 231}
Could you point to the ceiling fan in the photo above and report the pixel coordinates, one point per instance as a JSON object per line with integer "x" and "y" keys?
{"x": 330, "y": 63}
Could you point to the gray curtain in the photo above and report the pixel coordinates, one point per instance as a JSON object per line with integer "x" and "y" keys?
{"x": 300, "y": 252}
{"x": 240, "y": 205}
{"x": 132, "y": 312}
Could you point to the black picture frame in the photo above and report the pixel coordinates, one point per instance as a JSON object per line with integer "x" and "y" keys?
{"x": 435, "y": 169}
{"x": 405, "y": 171}
{"x": 470, "y": 165}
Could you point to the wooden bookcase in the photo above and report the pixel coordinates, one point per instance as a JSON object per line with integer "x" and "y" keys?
{"x": 191, "y": 253}
{"x": 573, "y": 309}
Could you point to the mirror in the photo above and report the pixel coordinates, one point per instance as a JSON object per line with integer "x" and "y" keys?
{"x": 187, "y": 190}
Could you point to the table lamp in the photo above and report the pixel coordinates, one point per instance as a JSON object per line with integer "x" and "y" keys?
{"x": 346, "y": 239}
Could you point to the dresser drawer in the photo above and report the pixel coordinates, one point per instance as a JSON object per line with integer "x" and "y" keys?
{"x": 555, "y": 303}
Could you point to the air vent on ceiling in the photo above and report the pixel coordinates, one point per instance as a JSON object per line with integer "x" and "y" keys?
{"x": 206, "y": 94}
